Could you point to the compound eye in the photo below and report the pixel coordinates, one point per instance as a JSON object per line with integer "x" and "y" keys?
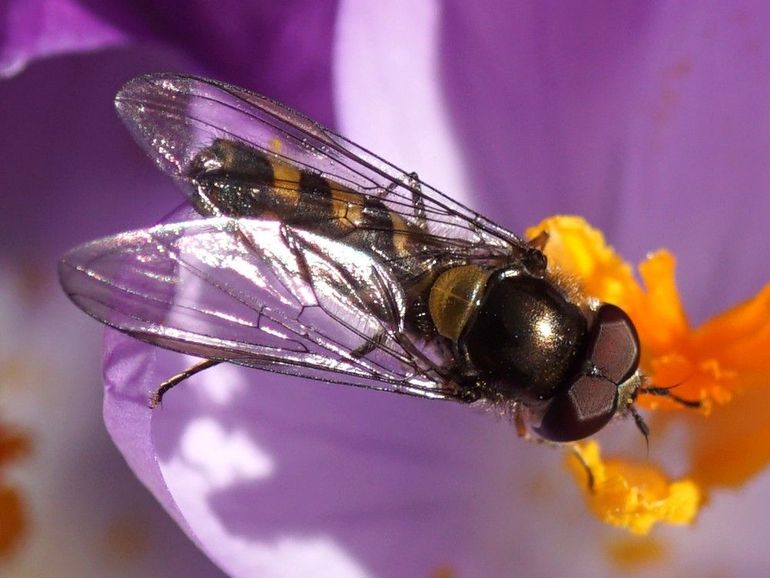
{"x": 614, "y": 348}
{"x": 580, "y": 411}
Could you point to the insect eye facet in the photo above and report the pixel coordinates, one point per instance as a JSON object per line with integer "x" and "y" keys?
{"x": 582, "y": 410}
{"x": 526, "y": 337}
{"x": 614, "y": 344}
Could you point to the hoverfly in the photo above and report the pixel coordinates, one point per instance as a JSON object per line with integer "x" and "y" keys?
{"x": 310, "y": 256}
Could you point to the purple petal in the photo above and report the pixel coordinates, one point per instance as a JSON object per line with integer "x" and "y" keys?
{"x": 71, "y": 176}
{"x": 74, "y": 172}
{"x": 274, "y": 475}
{"x": 649, "y": 119}
{"x": 402, "y": 117}
{"x": 282, "y": 49}
{"x": 40, "y": 28}
{"x": 278, "y": 48}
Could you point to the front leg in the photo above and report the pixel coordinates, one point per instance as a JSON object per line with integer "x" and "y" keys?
{"x": 157, "y": 397}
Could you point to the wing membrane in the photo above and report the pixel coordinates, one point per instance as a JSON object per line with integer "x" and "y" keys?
{"x": 261, "y": 294}
{"x": 175, "y": 116}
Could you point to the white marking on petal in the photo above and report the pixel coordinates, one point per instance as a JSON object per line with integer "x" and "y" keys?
{"x": 284, "y": 556}
{"x": 221, "y": 384}
{"x": 223, "y": 458}
{"x": 388, "y": 91}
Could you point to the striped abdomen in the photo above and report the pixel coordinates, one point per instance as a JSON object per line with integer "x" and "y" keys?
{"x": 236, "y": 180}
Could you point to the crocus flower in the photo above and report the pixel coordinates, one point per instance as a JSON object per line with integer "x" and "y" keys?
{"x": 645, "y": 119}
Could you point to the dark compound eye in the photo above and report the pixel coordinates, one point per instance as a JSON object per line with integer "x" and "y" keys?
{"x": 585, "y": 408}
{"x": 591, "y": 401}
{"x": 526, "y": 337}
{"x": 614, "y": 344}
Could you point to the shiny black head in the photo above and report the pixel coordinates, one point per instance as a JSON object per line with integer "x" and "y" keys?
{"x": 531, "y": 344}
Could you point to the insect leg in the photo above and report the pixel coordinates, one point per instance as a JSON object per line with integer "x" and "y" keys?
{"x": 590, "y": 480}
{"x": 518, "y": 420}
{"x": 157, "y": 396}
{"x": 666, "y": 392}
{"x": 641, "y": 425}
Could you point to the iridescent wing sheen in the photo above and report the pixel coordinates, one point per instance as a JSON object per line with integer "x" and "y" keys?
{"x": 262, "y": 294}
{"x": 176, "y": 116}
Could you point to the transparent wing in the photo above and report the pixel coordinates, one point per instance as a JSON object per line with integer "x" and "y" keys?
{"x": 175, "y": 117}
{"x": 258, "y": 293}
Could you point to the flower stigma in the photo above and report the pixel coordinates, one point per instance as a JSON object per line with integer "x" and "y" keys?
{"x": 721, "y": 366}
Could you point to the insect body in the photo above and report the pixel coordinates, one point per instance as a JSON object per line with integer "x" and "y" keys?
{"x": 313, "y": 257}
